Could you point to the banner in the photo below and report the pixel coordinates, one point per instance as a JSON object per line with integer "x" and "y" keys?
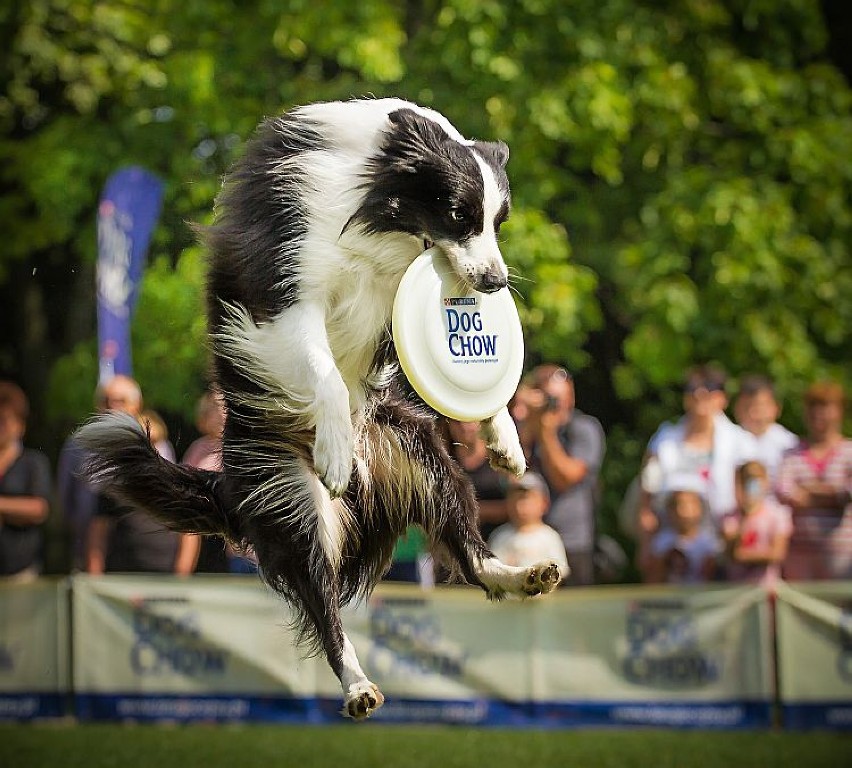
{"x": 33, "y": 650}
{"x": 598, "y": 656}
{"x": 815, "y": 654}
{"x": 218, "y": 648}
{"x": 127, "y": 213}
{"x": 206, "y": 648}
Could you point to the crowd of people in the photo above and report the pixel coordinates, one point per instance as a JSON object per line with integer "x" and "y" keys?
{"x": 743, "y": 500}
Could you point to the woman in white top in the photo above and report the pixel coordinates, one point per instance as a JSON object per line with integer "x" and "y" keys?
{"x": 703, "y": 444}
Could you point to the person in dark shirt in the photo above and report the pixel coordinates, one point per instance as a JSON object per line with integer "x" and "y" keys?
{"x": 25, "y": 490}
{"x": 125, "y": 540}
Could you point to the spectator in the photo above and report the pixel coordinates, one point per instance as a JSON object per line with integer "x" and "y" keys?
{"x": 567, "y": 448}
{"x": 815, "y": 480}
{"x": 685, "y": 550}
{"x": 25, "y": 491}
{"x": 704, "y": 444}
{"x": 526, "y": 539}
{"x": 159, "y": 433}
{"x": 78, "y": 500}
{"x": 129, "y": 540}
{"x": 758, "y": 533}
{"x": 756, "y": 410}
{"x": 468, "y": 448}
{"x": 205, "y": 452}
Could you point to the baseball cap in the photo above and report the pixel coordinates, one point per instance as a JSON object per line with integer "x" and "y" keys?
{"x": 530, "y": 481}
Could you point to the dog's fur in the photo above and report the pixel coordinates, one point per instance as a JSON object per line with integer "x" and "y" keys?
{"x": 327, "y": 458}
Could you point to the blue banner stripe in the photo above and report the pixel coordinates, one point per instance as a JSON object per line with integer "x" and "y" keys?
{"x": 32, "y": 706}
{"x": 834, "y": 715}
{"x": 480, "y": 712}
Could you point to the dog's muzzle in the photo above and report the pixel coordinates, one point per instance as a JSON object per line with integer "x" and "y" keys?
{"x": 489, "y": 282}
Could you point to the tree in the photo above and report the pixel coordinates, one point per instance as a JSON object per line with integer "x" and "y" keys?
{"x": 681, "y": 175}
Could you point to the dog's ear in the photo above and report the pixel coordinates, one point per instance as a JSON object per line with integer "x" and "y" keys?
{"x": 413, "y": 139}
{"x": 495, "y": 151}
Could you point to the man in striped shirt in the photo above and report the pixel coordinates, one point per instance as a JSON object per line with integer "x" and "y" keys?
{"x": 815, "y": 480}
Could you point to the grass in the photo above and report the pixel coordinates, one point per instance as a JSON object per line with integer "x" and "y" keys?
{"x": 377, "y": 746}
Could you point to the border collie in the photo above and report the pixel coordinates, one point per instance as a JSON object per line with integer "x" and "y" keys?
{"x": 327, "y": 455}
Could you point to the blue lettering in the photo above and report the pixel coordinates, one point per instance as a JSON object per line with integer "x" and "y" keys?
{"x": 453, "y": 337}
{"x": 452, "y": 320}
{"x": 477, "y": 321}
{"x": 472, "y": 346}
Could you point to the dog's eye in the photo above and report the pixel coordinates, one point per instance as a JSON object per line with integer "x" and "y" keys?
{"x": 459, "y": 215}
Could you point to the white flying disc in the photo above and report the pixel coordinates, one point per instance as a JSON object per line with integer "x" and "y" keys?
{"x": 462, "y": 350}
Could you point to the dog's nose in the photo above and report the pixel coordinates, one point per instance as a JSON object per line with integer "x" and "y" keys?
{"x": 490, "y": 281}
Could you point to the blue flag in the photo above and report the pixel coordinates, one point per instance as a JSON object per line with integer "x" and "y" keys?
{"x": 127, "y": 213}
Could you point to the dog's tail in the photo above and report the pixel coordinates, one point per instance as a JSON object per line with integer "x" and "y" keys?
{"x": 125, "y": 466}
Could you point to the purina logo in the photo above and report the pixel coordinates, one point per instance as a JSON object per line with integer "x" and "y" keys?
{"x": 168, "y": 643}
{"x": 664, "y": 649}
{"x": 460, "y": 301}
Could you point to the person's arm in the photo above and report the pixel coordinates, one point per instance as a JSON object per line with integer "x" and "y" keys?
{"x": 564, "y": 470}
{"x": 775, "y": 552}
{"x": 23, "y": 510}
{"x": 189, "y": 547}
{"x": 33, "y": 505}
{"x": 96, "y": 544}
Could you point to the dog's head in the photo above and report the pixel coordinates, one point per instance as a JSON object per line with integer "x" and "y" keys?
{"x": 453, "y": 193}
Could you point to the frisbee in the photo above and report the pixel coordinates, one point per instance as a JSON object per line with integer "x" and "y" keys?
{"x": 462, "y": 350}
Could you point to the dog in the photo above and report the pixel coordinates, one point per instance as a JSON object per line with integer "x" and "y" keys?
{"x": 327, "y": 454}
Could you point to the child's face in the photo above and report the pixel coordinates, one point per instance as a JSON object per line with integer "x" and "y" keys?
{"x": 525, "y": 506}
{"x": 686, "y": 511}
{"x": 757, "y": 412}
{"x": 751, "y": 490}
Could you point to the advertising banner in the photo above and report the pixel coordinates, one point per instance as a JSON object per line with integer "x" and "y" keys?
{"x": 127, "y": 213}
{"x": 207, "y": 648}
{"x": 218, "y": 648}
{"x": 34, "y": 666}
{"x": 815, "y": 654}
{"x": 601, "y": 656}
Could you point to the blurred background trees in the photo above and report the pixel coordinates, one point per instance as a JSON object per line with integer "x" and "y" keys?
{"x": 681, "y": 175}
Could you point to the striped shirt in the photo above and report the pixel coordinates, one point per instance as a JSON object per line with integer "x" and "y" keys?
{"x": 821, "y": 544}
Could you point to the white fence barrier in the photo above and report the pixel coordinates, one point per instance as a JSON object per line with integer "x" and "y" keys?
{"x": 218, "y": 649}
{"x": 33, "y": 649}
{"x": 815, "y": 654}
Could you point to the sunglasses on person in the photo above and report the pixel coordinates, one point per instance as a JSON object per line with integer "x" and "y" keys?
{"x": 708, "y": 386}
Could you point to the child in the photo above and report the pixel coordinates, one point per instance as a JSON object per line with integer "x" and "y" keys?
{"x": 758, "y": 533}
{"x": 526, "y": 539}
{"x": 685, "y": 550}
{"x": 757, "y": 410}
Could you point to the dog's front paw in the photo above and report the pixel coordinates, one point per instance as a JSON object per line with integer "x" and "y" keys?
{"x": 503, "y": 444}
{"x": 362, "y": 700}
{"x": 333, "y": 454}
{"x": 508, "y": 460}
{"x": 542, "y": 578}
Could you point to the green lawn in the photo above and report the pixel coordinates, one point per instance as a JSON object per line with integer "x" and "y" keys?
{"x": 375, "y": 746}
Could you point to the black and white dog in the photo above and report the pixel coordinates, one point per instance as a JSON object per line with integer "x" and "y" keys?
{"x": 326, "y": 459}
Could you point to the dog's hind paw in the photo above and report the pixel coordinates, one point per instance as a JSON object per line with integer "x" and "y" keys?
{"x": 362, "y": 701}
{"x": 542, "y": 578}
